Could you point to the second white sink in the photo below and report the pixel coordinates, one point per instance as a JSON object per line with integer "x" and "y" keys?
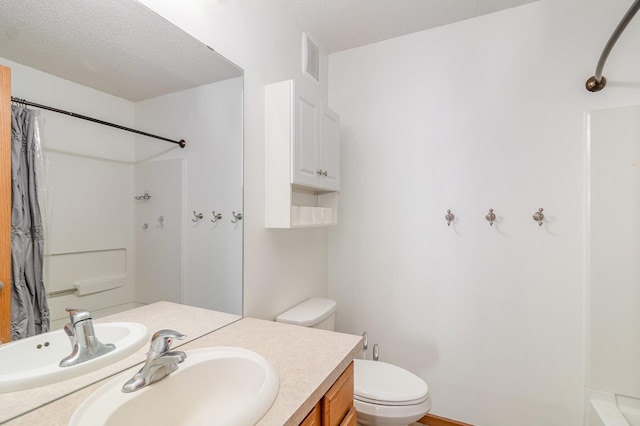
{"x": 34, "y": 361}
{"x": 213, "y": 386}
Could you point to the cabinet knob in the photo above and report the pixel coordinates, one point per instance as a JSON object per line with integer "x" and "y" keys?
{"x": 324, "y": 173}
{"x": 319, "y": 172}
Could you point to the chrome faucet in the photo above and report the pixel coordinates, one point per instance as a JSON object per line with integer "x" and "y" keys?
{"x": 84, "y": 343}
{"x": 160, "y": 361}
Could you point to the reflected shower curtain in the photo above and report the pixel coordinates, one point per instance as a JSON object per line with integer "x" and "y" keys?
{"x": 29, "y": 310}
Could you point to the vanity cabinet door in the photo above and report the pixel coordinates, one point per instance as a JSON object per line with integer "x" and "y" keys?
{"x": 336, "y": 406}
{"x": 350, "y": 419}
{"x": 314, "y": 418}
{"x": 338, "y": 400}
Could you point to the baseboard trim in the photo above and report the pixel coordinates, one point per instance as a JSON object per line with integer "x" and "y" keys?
{"x": 433, "y": 420}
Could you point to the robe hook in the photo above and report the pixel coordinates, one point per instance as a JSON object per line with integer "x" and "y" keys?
{"x": 236, "y": 217}
{"x": 491, "y": 216}
{"x": 538, "y": 216}
{"x": 198, "y": 216}
{"x": 449, "y": 217}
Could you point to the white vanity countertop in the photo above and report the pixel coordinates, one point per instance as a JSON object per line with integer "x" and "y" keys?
{"x": 194, "y": 322}
{"x": 308, "y": 362}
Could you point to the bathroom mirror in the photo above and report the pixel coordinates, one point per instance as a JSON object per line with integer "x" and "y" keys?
{"x": 129, "y": 219}
{"x": 613, "y": 250}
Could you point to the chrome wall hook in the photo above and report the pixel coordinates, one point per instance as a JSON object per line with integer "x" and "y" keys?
{"x": 146, "y": 196}
{"x": 449, "y": 217}
{"x": 216, "y": 216}
{"x": 538, "y": 216}
{"x": 198, "y": 216}
{"x": 490, "y": 217}
{"x": 236, "y": 217}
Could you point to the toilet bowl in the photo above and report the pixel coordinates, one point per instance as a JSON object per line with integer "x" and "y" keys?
{"x": 384, "y": 394}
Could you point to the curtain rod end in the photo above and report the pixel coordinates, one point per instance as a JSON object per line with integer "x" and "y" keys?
{"x": 182, "y": 143}
{"x": 593, "y": 85}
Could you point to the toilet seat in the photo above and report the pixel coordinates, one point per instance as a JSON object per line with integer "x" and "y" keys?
{"x": 376, "y": 414}
{"x": 380, "y": 383}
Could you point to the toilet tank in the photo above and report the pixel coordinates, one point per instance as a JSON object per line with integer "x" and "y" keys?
{"x": 315, "y": 312}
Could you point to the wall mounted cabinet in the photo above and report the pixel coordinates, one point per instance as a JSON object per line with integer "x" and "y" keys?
{"x": 302, "y": 151}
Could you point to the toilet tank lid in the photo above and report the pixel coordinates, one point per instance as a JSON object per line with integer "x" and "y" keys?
{"x": 308, "y": 313}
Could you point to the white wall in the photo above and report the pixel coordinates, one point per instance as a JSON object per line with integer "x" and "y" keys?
{"x": 281, "y": 267}
{"x": 485, "y": 113}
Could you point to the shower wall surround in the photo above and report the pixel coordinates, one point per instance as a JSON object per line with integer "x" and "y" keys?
{"x": 613, "y": 249}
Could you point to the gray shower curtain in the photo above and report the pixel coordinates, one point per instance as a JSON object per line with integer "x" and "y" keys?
{"x": 29, "y": 309}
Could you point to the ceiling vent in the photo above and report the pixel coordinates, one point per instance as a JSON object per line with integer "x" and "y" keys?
{"x": 310, "y": 58}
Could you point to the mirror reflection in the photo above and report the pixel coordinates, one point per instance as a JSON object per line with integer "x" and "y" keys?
{"x": 118, "y": 208}
{"x": 128, "y": 219}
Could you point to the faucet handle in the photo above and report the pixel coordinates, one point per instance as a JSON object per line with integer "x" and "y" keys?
{"x": 161, "y": 342}
{"x": 76, "y": 315}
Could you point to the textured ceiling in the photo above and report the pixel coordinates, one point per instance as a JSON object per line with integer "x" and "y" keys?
{"x": 343, "y": 24}
{"x": 115, "y": 46}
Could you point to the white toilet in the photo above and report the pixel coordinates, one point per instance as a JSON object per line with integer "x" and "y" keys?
{"x": 384, "y": 394}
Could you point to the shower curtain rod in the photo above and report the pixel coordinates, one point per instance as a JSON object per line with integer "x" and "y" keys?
{"x": 181, "y": 142}
{"x": 597, "y": 82}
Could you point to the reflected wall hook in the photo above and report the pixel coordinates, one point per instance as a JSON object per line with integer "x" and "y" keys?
{"x": 198, "y": 216}
{"x": 490, "y": 217}
{"x": 146, "y": 196}
{"x": 538, "y": 216}
{"x": 236, "y": 217}
{"x": 216, "y": 216}
{"x": 449, "y": 217}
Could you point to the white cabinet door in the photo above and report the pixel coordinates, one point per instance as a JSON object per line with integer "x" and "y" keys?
{"x": 330, "y": 156}
{"x": 306, "y": 142}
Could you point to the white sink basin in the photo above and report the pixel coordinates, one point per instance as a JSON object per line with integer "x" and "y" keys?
{"x": 34, "y": 361}
{"x": 213, "y": 386}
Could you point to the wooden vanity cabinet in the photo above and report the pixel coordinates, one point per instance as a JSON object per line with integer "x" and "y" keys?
{"x": 336, "y": 406}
